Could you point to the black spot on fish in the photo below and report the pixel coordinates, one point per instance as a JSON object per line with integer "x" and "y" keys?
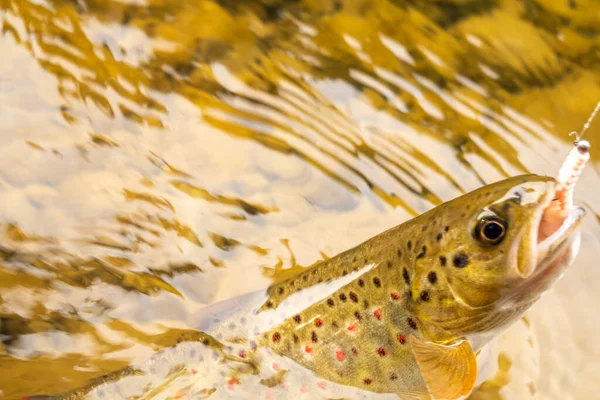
{"x": 376, "y": 282}
{"x": 443, "y": 261}
{"x": 276, "y": 337}
{"x": 354, "y": 259}
{"x": 314, "y": 337}
{"x": 281, "y": 290}
{"x": 335, "y": 324}
{"x": 405, "y": 276}
{"x": 393, "y": 376}
{"x": 296, "y": 338}
{"x": 353, "y": 297}
{"x": 389, "y": 264}
{"x": 399, "y": 252}
{"x": 460, "y": 260}
{"x": 425, "y": 295}
{"x": 330, "y": 302}
{"x": 361, "y": 283}
{"x": 292, "y": 283}
{"x": 342, "y": 297}
{"x": 432, "y": 277}
{"x": 365, "y": 304}
{"x": 297, "y": 318}
{"x": 411, "y": 323}
{"x": 367, "y": 381}
{"x": 423, "y": 228}
{"x": 518, "y": 197}
{"x": 422, "y": 252}
{"x": 446, "y": 229}
{"x": 440, "y": 236}
{"x": 344, "y": 273}
{"x": 409, "y": 245}
{"x": 357, "y": 315}
{"x": 354, "y": 351}
{"x": 305, "y": 278}
{"x": 269, "y": 304}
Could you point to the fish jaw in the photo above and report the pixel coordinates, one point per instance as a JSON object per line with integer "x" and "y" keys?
{"x": 550, "y": 245}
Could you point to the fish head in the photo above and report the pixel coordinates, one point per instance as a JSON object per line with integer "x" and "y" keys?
{"x": 491, "y": 260}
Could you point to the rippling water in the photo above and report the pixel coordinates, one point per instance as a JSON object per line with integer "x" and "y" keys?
{"x": 157, "y": 156}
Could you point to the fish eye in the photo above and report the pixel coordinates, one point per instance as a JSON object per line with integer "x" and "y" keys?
{"x": 491, "y": 230}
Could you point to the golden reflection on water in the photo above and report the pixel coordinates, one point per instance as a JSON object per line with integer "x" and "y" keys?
{"x": 156, "y": 157}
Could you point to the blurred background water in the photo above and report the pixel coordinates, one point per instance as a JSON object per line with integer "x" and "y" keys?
{"x": 157, "y": 156}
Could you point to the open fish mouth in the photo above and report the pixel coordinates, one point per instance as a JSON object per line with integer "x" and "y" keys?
{"x": 554, "y": 240}
{"x": 549, "y": 246}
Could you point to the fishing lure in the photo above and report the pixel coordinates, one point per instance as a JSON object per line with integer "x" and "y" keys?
{"x": 573, "y": 166}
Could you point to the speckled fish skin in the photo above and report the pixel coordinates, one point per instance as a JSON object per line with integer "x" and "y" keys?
{"x": 430, "y": 277}
{"x": 345, "y": 327}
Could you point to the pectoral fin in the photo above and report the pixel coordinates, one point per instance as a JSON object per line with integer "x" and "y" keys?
{"x": 449, "y": 371}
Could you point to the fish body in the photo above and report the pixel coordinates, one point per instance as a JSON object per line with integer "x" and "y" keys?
{"x": 401, "y": 315}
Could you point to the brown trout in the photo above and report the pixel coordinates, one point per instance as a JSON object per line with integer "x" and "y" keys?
{"x": 402, "y": 315}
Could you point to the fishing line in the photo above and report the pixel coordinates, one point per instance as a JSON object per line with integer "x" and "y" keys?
{"x": 579, "y": 135}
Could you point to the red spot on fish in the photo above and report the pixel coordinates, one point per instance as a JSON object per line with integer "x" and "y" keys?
{"x": 322, "y": 385}
{"x": 395, "y": 295}
{"x": 377, "y": 314}
{"x": 318, "y": 322}
{"x": 242, "y": 354}
{"x": 308, "y": 349}
{"x": 340, "y": 355}
{"x": 276, "y": 367}
{"x": 401, "y": 338}
{"x": 303, "y": 389}
{"x": 381, "y": 351}
{"x": 353, "y": 327}
{"x": 231, "y": 383}
{"x": 268, "y": 394}
{"x": 194, "y": 371}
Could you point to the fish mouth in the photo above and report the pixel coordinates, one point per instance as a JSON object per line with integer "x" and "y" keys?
{"x": 549, "y": 245}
